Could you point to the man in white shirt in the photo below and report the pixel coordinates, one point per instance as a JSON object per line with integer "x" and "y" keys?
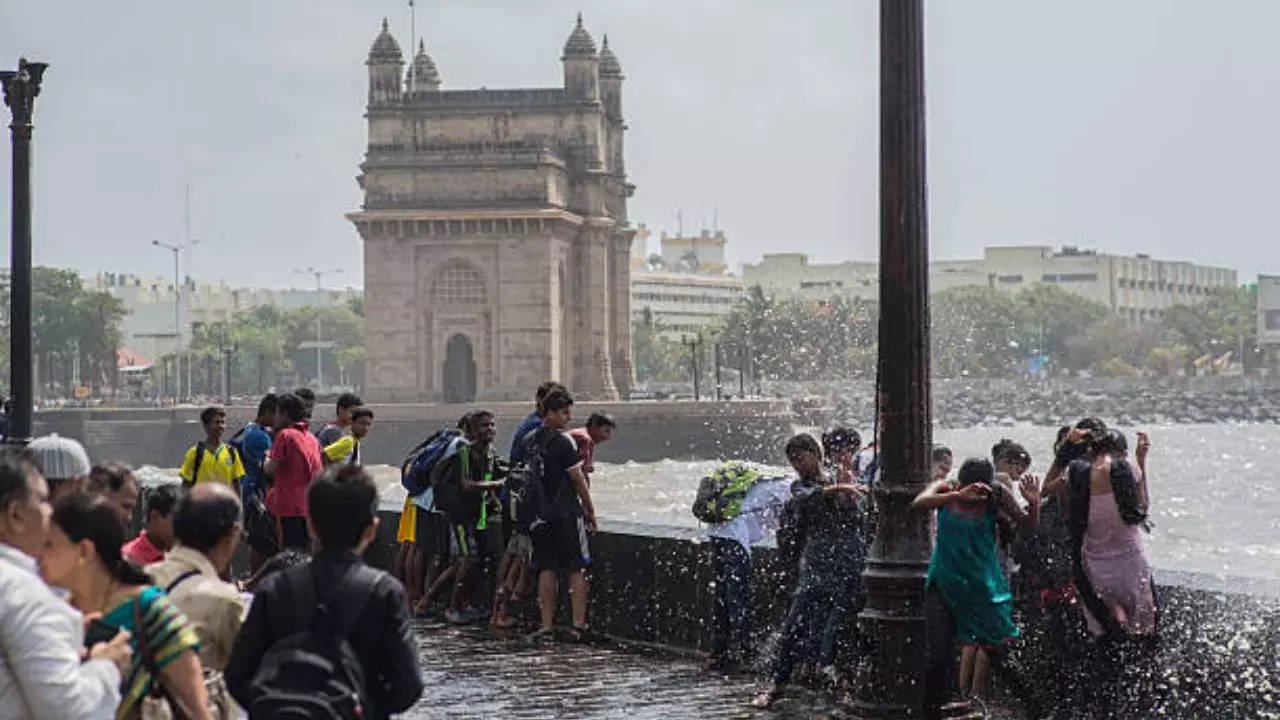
{"x": 41, "y": 636}
{"x": 731, "y": 543}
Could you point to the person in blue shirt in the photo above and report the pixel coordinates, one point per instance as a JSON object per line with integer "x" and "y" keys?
{"x": 531, "y": 423}
{"x": 254, "y": 444}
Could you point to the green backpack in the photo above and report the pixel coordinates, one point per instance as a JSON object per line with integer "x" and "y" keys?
{"x": 721, "y": 493}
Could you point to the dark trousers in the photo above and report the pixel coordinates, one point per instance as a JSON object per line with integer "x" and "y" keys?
{"x": 731, "y": 605}
{"x": 841, "y": 641}
{"x": 294, "y": 535}
{"x": 802, "y": 631}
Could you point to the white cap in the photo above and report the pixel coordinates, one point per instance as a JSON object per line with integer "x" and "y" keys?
{"x": 60, "y": 458}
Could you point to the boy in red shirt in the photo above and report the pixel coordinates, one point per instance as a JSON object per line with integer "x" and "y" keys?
{"x": 599, "y": 429}
{"x": 292, "y": 463}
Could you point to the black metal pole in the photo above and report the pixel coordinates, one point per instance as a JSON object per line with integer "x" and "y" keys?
{"x": 20, "y": 91}
{"x": 894, "y": 577}
{"x": 742, "y": 372}
{"x": 719, "y": 391}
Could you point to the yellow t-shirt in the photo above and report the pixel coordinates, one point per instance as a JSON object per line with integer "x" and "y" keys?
{"x": 342, "y": 450}
{"x": 221, "y": 464}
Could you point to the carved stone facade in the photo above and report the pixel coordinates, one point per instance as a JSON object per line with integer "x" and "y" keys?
{"x": 496, "y": 240}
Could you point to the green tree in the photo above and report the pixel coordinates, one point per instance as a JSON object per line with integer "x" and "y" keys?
{"x": 1114, "y": 345}
{"x": 69, "y": 324}
{"x": 974, "y": 332}
{"x": 1049, "y": 315}
{"x": 1225, "y": 321}
{"x": 655, "y": 357}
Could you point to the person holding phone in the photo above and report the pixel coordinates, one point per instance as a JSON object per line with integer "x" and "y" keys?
{"x": 42, "y": 638}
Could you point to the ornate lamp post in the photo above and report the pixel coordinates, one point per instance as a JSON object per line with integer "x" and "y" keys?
{"x": 20, "y": 90}
{"x": 895, "y": 571}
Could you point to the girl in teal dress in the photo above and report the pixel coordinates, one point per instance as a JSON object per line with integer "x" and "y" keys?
{"x": 965, "y": 569}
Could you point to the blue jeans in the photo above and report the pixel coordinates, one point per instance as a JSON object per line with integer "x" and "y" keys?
{"x": 731, "y": 606}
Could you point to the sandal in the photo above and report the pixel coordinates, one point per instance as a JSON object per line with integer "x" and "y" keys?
{"x": 766, "y": 699}
{"x": 541, "y": 636}
{"x": 504, "y": 624}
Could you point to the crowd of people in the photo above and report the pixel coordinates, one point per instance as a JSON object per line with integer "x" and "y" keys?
{"x": 483, "y": 534}
{"x": 1060, "y": 562}
{"x": 101, "y": 623}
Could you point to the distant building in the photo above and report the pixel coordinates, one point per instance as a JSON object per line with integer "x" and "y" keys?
{"x": 1138, "y": 288}
{"x": 792, "y": 275}
{"x": 1269, "y": 317}
{"x": 684, "y": 288}
{"x": 148, "y": 327}
{"x": 702, "y": 254}
{"x": 682, "y": 303}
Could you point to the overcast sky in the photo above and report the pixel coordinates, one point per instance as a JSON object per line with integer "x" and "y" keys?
{"x": 1135, "y": 126}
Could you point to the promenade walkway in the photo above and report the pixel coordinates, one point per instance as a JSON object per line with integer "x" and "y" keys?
{"x": 472, "y": 674}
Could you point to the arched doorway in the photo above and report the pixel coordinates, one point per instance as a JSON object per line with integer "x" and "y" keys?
{"x": 459, "y": 370}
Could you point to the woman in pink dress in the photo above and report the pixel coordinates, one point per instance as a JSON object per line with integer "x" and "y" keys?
{"x": 1108, "y": 507}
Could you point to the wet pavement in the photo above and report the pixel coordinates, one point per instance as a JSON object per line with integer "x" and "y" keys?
{"x": 471, "y": 673}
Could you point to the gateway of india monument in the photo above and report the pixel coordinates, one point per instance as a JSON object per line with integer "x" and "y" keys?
{"x": 496, "y": 241}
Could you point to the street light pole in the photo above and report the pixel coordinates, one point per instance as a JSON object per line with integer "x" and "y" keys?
{"x": 319, "y": 275}
{"x": 893, "y": 617}
{"x": 20, "y": 90}
{"x": 177, "y": 302}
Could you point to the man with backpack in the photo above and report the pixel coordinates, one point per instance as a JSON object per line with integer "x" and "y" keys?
{"x": 531, "y": 423}
{"x": 564, "y": 516}
{"x": 212, "y": 460}
{"x": 424, "y": 530}
{"x": 253, "y": 441}
{"x": 741, "y": 508}
{"x": 465, "y": 493}
{"x": 331, "y": 638}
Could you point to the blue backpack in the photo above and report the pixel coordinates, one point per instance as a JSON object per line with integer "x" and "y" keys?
{"x": 415, "y": 471}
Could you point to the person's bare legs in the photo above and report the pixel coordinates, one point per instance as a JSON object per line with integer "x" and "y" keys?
{"x": 461, "y": 584}
{"x": 966, "y": 668}
{"x": 413, "y": 572}
{"x": 578, "y": 597}
{"x": 981, "y": 669}
{"x": 443, "y": 580}
{"x": 502, "y": 597}
{"x": 547, "y": 582}
{"x": 402, "y": 560}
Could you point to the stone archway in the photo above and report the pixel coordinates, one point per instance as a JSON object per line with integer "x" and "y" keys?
{"x": 459, "y": 370}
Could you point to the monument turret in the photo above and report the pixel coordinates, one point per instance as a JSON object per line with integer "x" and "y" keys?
{"x": 581, "y": 65}
{"x": 386, "y": 67}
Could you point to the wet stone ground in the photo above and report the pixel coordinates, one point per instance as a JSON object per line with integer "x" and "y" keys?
{"x": 471, "y": 673}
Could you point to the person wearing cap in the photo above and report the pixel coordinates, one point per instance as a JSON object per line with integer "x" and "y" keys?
{"x": 42, "y": 635}
{"x": 63, "y": 461}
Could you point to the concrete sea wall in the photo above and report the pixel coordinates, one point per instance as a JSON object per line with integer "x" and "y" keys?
{"x": 647, "y": 431}
{"x": 1218, "y": 657}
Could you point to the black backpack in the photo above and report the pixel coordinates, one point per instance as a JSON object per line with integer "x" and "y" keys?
{"x": 530, "y": 505}
{"x": 314, "y": 674}
{"x": 195, "y": 467}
